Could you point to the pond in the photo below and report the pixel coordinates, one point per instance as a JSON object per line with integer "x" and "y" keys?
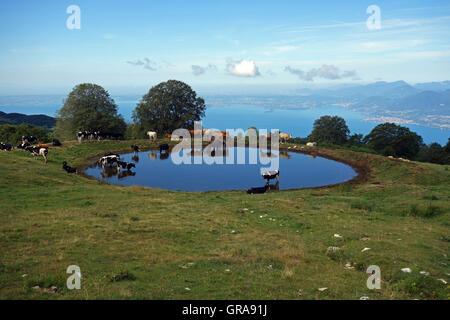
{"x": 157, "y": 170}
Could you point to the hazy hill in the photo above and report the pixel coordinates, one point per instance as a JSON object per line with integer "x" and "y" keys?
{"x": 36, "y": 120}
{"x": 426, "y": 100}
{"x": 433, "y": 86}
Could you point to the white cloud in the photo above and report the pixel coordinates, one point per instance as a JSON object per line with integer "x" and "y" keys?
{"x": 243, "y": 68}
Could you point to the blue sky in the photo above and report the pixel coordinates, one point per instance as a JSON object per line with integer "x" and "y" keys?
{"x": 129, "y": 46}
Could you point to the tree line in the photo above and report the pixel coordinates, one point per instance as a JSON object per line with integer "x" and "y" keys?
{"x": 173, "y": 104}
{"x": 388, "y": 139}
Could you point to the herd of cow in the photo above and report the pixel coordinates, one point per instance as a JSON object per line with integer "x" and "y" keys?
{"x": 96, "y": 135}
{"x": 26, "y": 145}
{"x": 284, "y": 137}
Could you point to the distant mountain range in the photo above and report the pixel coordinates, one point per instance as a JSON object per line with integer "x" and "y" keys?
{"x": 426, "y": 104}
{"x": 403, "y": 101}
{"x": 36, "y": 120}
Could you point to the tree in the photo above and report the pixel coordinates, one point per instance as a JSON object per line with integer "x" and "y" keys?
{"x": 433, "y": 153}
{"x": 355, "y": 140}
{"x": 168, "y": 106}
{"x": 89, "y": 108}
{"x": 330, "y": 129}
{"x": 447, "y": 146}
{"x": 395, "y": 140}
{"x": 13, "y": 133}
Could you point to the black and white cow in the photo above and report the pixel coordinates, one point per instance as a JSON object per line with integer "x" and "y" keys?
{"x": 68, "y": 168}
{"x": 36, "y": 151}
{"x": 23, "y": 145}
{"x": 29, "y": 139}
{"x": 125, "y": 165}
{"x": 109, "y": 160}
{"x": 6, "y": 146}
{"x": 82, "y": 135}
{"x": 269, "y": 175}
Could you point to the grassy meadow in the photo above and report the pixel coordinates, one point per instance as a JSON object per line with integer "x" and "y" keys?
{"x": 141, "y": 243}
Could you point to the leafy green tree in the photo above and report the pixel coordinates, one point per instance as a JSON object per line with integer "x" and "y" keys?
{"x": 89, "y": 108}
{"x": 395, "y": 140}
{"x": 330, "y": 129}
{"x": 13, "y": 133}
{"x": 447, "y": 146}
{"x": 168, "y": 106}
{"x": 355, "y": 140}
{"x": 135, "y": 131}
{"x": 433, "y": 153}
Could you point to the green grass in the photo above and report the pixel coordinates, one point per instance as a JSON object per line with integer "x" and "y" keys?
{"x": 141, "y": 243}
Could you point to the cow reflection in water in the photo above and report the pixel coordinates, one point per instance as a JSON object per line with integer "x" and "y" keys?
{"x": 284, "y": 154}
{"x": 135, "y": 158}
{"x": 212, "y": 151}
{"x": 267, "y": 154}
{"x": 153, "y": 155}
{"x": 111, "y": 172}
{"x": 164, "y": 156}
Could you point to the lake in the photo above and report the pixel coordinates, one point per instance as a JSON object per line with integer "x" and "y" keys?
{"x": 156, "y": 170}
{"x": 298, "y": 122}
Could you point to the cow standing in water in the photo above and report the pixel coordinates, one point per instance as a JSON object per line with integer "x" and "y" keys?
{"x": 109, "y": 160}
{"x": 135, "y": 149}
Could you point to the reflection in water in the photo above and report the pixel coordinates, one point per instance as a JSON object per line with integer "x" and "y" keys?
{"x": 153, "y": 155}
{"x": 112, "y": 171}
{"x": 208, "y": 151}
{"x": 284, "y": 154}
{"x": 135, "y": 158}
{"x": 164, "y": 155}
{"x": 267, "y": 154}
{"x": 274, "y": 187}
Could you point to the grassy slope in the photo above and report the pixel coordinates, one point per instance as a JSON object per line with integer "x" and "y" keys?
{"x": 171, "y": 241}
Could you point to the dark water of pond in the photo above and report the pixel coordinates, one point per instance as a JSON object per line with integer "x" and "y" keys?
{"x": 157, "y": 170}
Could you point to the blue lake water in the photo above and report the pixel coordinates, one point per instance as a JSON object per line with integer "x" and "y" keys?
{"x": 298, "y": 122}
{"x": 157, "y": 170}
